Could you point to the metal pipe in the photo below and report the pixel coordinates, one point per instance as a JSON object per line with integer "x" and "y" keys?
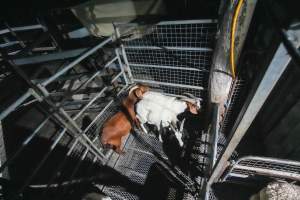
{"x": 130, "y": 77}
{"x": 278, "y": 65}
{"x": 76, "y": 61}
{"x": 90, "y": 103}
{"x": 121, "y": 66}
{"x": 215, "y": 133}
{"x": 48, "y": 57}
{"x": 117, "y": 76}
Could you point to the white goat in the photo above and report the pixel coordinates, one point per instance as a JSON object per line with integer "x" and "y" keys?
{"x": 156, "y": 108}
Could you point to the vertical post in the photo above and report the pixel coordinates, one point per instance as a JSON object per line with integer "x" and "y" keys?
{"x": 124, "y": 56}
{"x": 215, "y": 132}
{"x": 255, "y": 102}
{"x": 121, "y": 66}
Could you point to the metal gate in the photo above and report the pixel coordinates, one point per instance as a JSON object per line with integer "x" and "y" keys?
{"x": 172, "y": 57}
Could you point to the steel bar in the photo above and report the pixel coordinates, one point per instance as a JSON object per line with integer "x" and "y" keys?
{"x": 169, "y": 84}
{"x": 90, "y": 103}
{"x": 49, "y": 57}
{"x": 13, "y": 106}
{"x": 22, "y": 28}
{"x": 276, "y": 68}
{"x": 121, "y": 66}
{"x": 130, "y": 77}
{"x": 117, "y": 76}
{"x": 23, "y": 145}
{"x": 127, "y": 64}
{"x": 3, "y": 45}
{"x": 169, "y": 48}
{"x": 168, "y": 67}
{"x": 215, "y": 133}
{"x": 215, "y": 124}
{"x": 76, "y": 61}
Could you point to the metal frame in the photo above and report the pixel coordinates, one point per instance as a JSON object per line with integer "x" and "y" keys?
{"x": 39, "y": 93}
{"x": 15, "y": 31}
{"x": 87, "y": 139}
{"x": 276, "y": 68}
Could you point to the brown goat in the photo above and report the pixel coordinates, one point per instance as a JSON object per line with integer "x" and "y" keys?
{"x": 119, "y": 125}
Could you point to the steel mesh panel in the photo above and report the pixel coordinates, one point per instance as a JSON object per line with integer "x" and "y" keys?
{"x": 136, "y": 178}
{"x": 177, "y": 76}
{"x": 251, "y": 166}
{"x": 138, "y": 162}
{"x": 175, "y": 90}
{"x": 273, "y": 165}
{"x": 178, "y": 34}
{"x": 135, "y": 164}
{"x": 118, "y": 193}
{"x": 173, "y": 58}
{"x": 233, "y": 98}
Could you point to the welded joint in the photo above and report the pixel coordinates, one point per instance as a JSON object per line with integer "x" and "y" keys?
{"x": 35, "y": 95}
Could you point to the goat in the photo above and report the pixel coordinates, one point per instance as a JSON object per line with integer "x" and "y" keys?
{"x": 158, "y": 109}
{"x": 120, "y": 124}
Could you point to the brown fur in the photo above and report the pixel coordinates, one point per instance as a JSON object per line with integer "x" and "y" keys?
{"x": 118, "y": 125}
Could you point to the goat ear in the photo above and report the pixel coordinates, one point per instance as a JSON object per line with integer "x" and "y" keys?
{"x": 138, "y": 92}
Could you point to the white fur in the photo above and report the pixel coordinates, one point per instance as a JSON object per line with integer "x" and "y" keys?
{"x": 156, "y": 108}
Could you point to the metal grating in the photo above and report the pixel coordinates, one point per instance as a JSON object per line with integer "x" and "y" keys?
{"x": 135, "y": 164}
{"x": 263, "y": 166}
{"x": 233, "y": 99}
{"x": 173, "y": 90}
{"x": 177, "y": 76}
{"x": 172, "y": 56}
{"x": 195, "y": 33}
